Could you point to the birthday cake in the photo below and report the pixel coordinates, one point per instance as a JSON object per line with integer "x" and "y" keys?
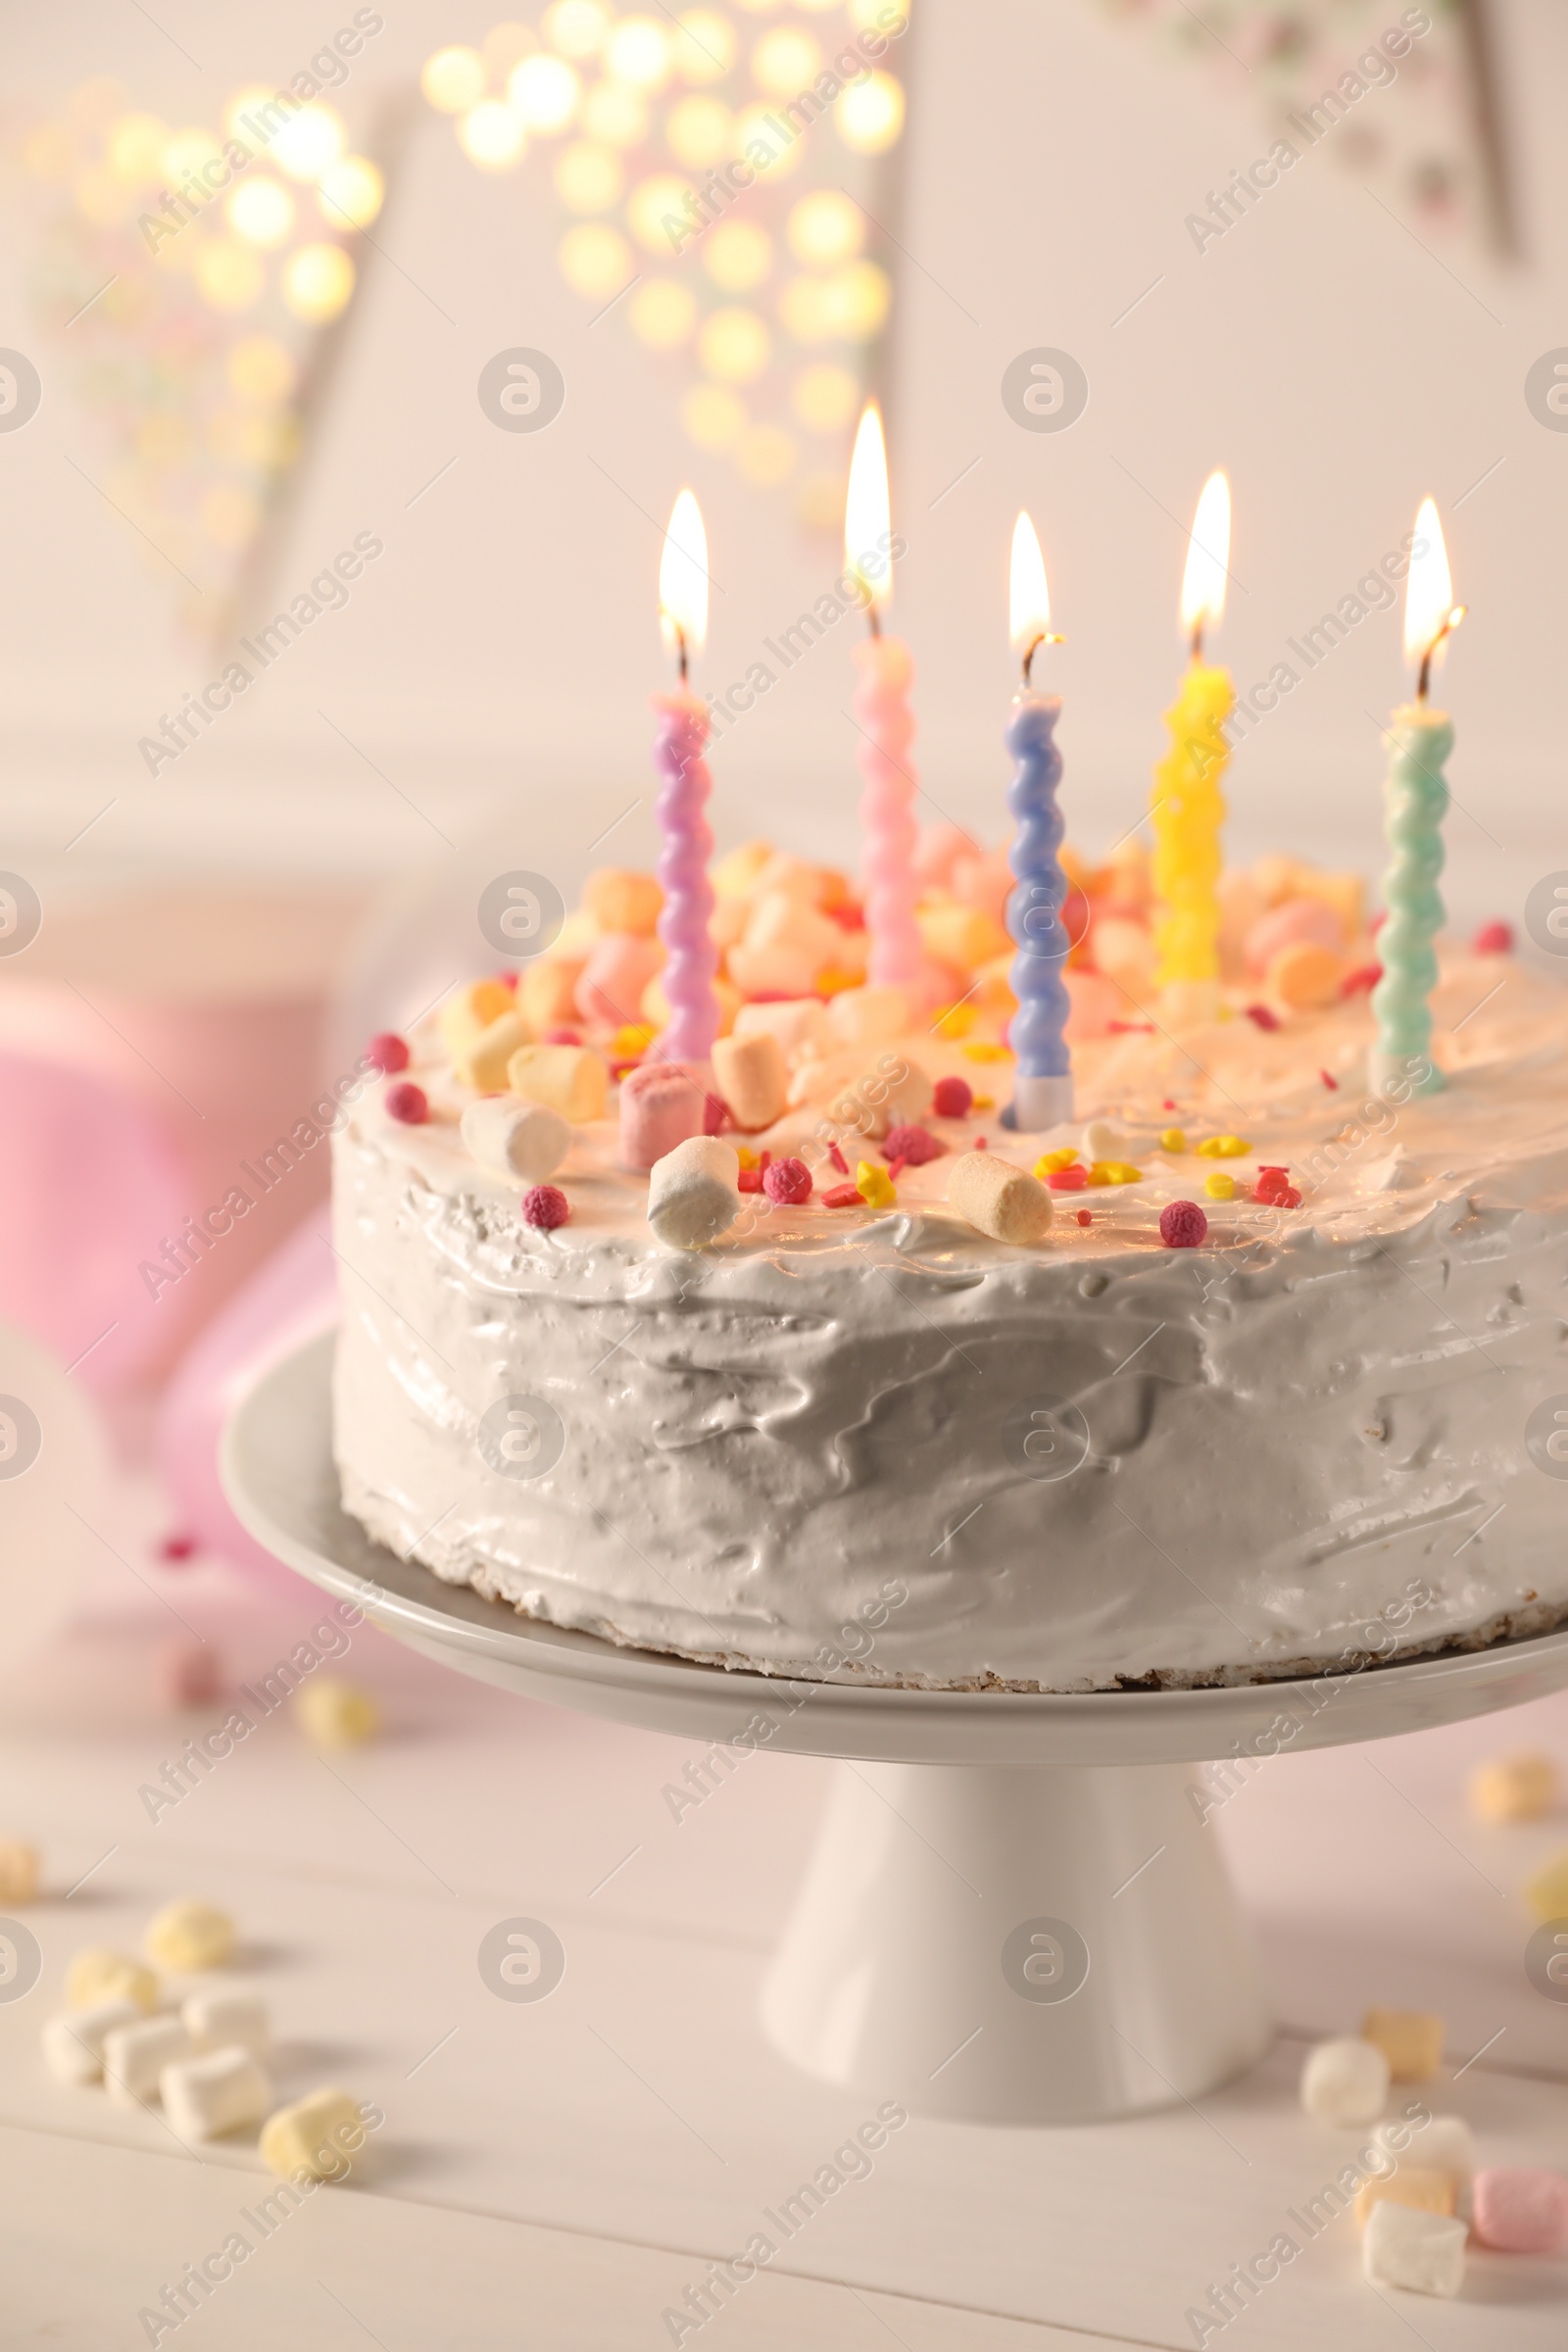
{"x": 803, "y": 1363}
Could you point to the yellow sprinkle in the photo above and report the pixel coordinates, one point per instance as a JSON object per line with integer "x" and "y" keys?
{"x": 874, "y": 1185}
{"x": 746, "y": 1156}
{"x": 981, "y": 1102}
{"x": 1173, "y": 1139}
{"x": 1224, "y": 1147}
{"x": 1050, "y": 1161}
{"x": 633, "y": 1040}
{"x": 955, "y": 1021}
{"x": 1219, "y": 1186}
{"x": 830, "y": 981}
{"x": 1115, "y": 1171}
{"x": 977, "y": 1049}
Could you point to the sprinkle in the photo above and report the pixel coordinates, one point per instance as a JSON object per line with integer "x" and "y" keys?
{"x": 984, "y": 1102}
{"x": 874, "y": 1185}
{"x": 1493, "y": 938}
{"x": 1050, "y": 1161}
{"x": 1364, "y": 977}
{"x": 1330, "y": 1081}
{"x": 1085, "y": 1217}
{"x": 1261, "y": 1014}
{"x": 387, "y": 1053}
{"x": 1182, "y": 1225}
{"x": 1131, "y": 1028}
{"x": 747, "y": 1157}
{"x": 1062, "y": 1180}
{"x": 173, "y": 1548}
{"x": 980, "y": 1144}
{"x": 764, "y": 1162}
{"x": 950, "y": 1097}
{"x": 407, "y": 1104}
{"x": 895, "y": 1168}
{"x": 788, "y": 1182}
{"x": 1274, "y": 1190}
{"x": 977, "y": 1049}
{"x": 561, "y": 1037}
{"x": 955, "y": 1021}
{"x": 750, "y": 1180}
{"x": 1219, "y": 1186}
{"x": 1173, "y": 1139}
{"x": 915, "y": 1144}
{"x": 631, "y": 1042}
{"x": 837, "y": 1160}
{"x": 842, "y": 1196}
{"x": 1167, "y": 1105}
{"x": 544, "y": 1205}
{"x": 830, "y": 981}
{"x": 1224, "y": 1147}
{"x": 1115, "y": 1171}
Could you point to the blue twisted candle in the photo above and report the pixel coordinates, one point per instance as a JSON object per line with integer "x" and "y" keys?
{"x": 1042, "y": 1093}
{"x": 1416, "y": 799}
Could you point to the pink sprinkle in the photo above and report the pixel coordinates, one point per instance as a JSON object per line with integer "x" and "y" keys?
{"x": 842, "y": 1196}
{"x": 1493, "y": 938}
{"x": 1167, "y": 1105}
{"x": 1086, "y": 1216}
{"x": 387, "y": 1053}
{"x": 506, "y": 980}
{"x": 916, "y": 1145}
{"x": 895, "y": 1168}
{"x": 788, "y": 1182}
{"x": 980, "y": 1144}
{"x": 1067, "y": 1180}
{"x": 1130, "y": 1028}
{"x": 544, "y": 1205}
{"x": 1364, "y": 977}
{"x": 837, "y": 1160}
{"x": 1330, "y": 1081}
{"x": 766, "y": 1162}
{"x": 1264, "y": 1018}
{"x": 750, "y": 1180}
{"x": 563, "y": 1037}
{"x": 1182, "y": 1225}
{"x": 174, "y": 1548}
{"x": 952, "y": 1097}
{"x": 407, "y": 1103}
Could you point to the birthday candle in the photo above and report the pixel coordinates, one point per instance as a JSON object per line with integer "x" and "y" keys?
{"x": 1041, "y": 1086}
{"x": 1416, "y": 800}
{"x": 888, "y": 829}
{"x": 1187, "y": 807}
{"x": 682, "y": 809}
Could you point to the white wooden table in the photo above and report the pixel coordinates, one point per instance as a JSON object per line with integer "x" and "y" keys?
{"x": 559, "y": 2173}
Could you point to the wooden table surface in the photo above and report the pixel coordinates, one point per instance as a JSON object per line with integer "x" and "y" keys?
{"x": 559, "y": 2173}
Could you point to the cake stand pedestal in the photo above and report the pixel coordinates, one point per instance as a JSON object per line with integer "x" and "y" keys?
{"x": 1015, "y": 1913}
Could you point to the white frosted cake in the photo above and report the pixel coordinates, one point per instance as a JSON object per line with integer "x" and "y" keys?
{"x": 871, "y": 1440}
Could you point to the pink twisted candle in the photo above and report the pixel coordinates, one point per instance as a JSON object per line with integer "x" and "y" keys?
{"x": 887, "y": 811}
{"x": 683, "y": 923}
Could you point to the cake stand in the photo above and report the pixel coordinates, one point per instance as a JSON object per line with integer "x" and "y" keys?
{"x": 1015, "y": 1912}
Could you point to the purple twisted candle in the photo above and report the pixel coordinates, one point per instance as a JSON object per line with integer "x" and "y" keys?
{"x": 684, "y": 921}
{"x": 1043, "y": 1081}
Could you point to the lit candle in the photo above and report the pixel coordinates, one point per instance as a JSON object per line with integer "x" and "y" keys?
{"x": 1416, "y": 799}
{"x": 888, "y": 828}
{"x": 1041, "y": 1086}
{"x": 687, "y": 911}
{"x": 1187, "y": 807}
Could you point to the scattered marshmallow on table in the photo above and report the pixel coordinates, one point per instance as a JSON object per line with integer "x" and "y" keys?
{"x": 998, "y": 1198}
{"x": 19, "y": 1871}
{"x": 571, "y": 1079}
{"x": 1520, "y": 2208}
{"x": 188, "y": 1934}
{"x": 316, "y": 2136}
{"x": 74, "y": 2046}
{"x": 333, "y": 1713}
{"x": 1514, "y": 1789}
{"x": 751, "y": 1076}
{"x": 522, "y": 1140}
{"x": 662, "y": 1104}
{"x": 218, "y": 2021}
{"x": 1405, "y": 2247}
{"x": 1446, "y": 2144}
{"x": 1546, "y": 1890}
{"x": 1345, "y": 2082}
{"x": 694, "y": 1193}
{"x": 217, "y": 2092}
{"x": 136, "y": 2054}
{"x": 1413, "y": 2185}
{"x": 95, "y": 1975}
{"x": 1410, "y": 2039}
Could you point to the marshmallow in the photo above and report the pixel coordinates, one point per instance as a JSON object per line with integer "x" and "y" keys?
{"x": 662, "y": 1103}
{"x": 752, "y": 1078}
{"x": 74, "y": 2046}
{"x": 97, "y": 1976}
{"x": 786, "y": 944}
{"x": 485, "y": 1065}
{"x": 959, "y": 935}
{"x": 998, "y": 1198}
{"x": 1514, "y": 1789}
{"x": 1444, "y": 2144}
{"x": 316, "y": 2136}
{"x": 1546, "y": 1890}
{"x": 217, "y": 2092}
{"x": 468, "y": 1012}
{"x": 799, "y": 1023}
{"x": 332, "y": 1713}
{"x": 190, "y": 1934}
{"x": 1413, "y": 2185}
{"x": 1297, "y": 922}
{"x": 547, "y": 992}
{"x": 1520, "y": 2208}
{"x": 985, "y": 882}
{"x": 894, "y": 1092}
{"x": 1345, "y": 2082}
{"x": 694, "y": 1193}
{"x": 619, "y": 899}
{"x": 734, "y": 875}
{"x": 1405, "y": 2247}
{"x": 1307, "y": 977}
{"x": 869, "y": 1016}
{"x": 221, "y": 2021}
{"x": 19, "y": 1871}
{"x": 1410, "y": 2039}
{"x": 135, "y": 2055}
{"x": 571, "y": 1079}
{"x": 525, "y": 1139}
{"x": 618, "y": 968}
{"x": 1100, "y": 1141}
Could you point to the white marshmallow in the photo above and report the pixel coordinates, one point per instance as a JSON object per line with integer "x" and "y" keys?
{"x": 217, "y": 2092}
{"x": 694, "y": 1192}
{"x": 74, "y": 2046}
{"x": 1346, "y": 2081}
{"x": 799, "y": 1024}
{"x": 217, "y": 2021}
{"x": 1445, "y": 2144}
{"x": 1404, "y": 2247}
{"x": 526, "y": 1140}
{"x": 135, "y": 2056}
{"x": 869, "y": 1016}
{"x": 1101, "y": 1141}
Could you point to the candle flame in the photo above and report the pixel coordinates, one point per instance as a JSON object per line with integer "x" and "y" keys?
{"x": 1430, "y": 611}
{"x": 867, "y": 515}
{"x": 1207, "y": 557}
{"x": 1030, "y": 601}
{"x": 683, "y": 580}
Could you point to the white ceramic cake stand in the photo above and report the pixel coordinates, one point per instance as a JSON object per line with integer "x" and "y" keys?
{"x": 1015, "y": 1913}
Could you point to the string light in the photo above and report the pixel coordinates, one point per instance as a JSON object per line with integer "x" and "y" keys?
{"x": 870, "y": 114}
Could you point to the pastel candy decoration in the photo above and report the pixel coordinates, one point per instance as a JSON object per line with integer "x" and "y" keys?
{"x": 619, "y": 966}
{"x": 1416, "y": 800}
{"x": 683, "y": 922}
{"x": 662, "y": 1104}
{"x": 1038, "y": 1030}
{"x": 1300, "y": 923}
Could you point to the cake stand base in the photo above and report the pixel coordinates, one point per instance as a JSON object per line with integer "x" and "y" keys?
{"x": 1019, "y": 1948}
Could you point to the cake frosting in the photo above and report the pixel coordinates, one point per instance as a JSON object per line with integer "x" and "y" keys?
{"x": 874, "y": 1442}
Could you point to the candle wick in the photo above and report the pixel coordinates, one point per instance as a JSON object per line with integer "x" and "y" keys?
{"x": 1197, "y": 640}
{"x": 680, "y": 641}
{"x": 874, "y": 617}
{"x": 1030, "y": 651}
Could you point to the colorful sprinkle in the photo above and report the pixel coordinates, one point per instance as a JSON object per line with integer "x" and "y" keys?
{"x": 874, "y": 1185}
{"x": 1264, "y": 1017}
{"x": 950, "y": 1097}
{"x": 955, "y": 1021}
{"x": 984, "y": 1102}
{"x": 788, "y": 1182}
{"x": 1115, "y": 1171}
{"x": 544, "y": 1205}
{"x": 1364, "y": 977}
{"x": 1173, "y": 1139}
{"x": 387, "y": 1053}
{"x": 1220, "y": 1187}
{"x": 750, "y": 1180}
{"x": 407, "y": 1103}
{"x": 1493, "y": 938}
{"x": 1330, "y": 1081}
{"x": 747, "y": 1157}
{"x": 1066, "y": 1180}
{"x": 982, "y": 1143}
{"x": 1085, "y": 1217}
{"x": 1183, "y": 1225}
{"x": 977, "y": 1049}
{"x": 1050, "y": 1161}
{"x": 842, "y": 1196}
{"x": 837, "y": 1160}
{"x": 631, "y": 1042}
{"x": 916, "y": 1145}
{"x": 1130, "y": 1028}
{"x": 1224, "y": 1147}
{"x": 563, "y": 1037}
{"x": 174, "y": 1548}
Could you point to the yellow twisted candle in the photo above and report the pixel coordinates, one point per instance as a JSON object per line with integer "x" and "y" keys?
{"x": 1188, "y": 806}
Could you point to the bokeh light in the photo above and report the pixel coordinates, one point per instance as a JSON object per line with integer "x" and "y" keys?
{"x": 309, "y": 142}
{"x": 546, "y": 92}
{"x": 353, "y": 192}
{"x": 663, "y": 313}
{"x": 262, "y": 369}
{"x": 596, "y": 260}
{"x": 318, "y": 281}
{"x": 705, "y": 46}
{"x": 737, "y": 255}
{"x": 248, "y": 101}
{"x": 453, "y": 81}
{"x": 785, "y": 61}
{"x": 577, "y": 27}
{"x": 504, "y": 48}
{"x": 701, "y": 131}
{"x": 228, "y": 275}
{"x": 490, "y": 136}
{"x": 825, "y": 226}
{"x": 188, "y": 153}
{"x": 713, "y": 417}
{"x": 589, "y": 177}
{"x": 870, "y": 114}
{"x": 654, "y": 203}
{"x": 825, "y": 397}
{"x": 639, "y": 52}
{"x": 136, "y": 147}
{"x": 755, "y": 122}
{"x": 616, "y": 113}
{"x": 260, "y": 209}
{"x": 734, "y": 345}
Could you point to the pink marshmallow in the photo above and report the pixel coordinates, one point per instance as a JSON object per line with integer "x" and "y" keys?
{"x": 1096, "y": 1003}
{"x": 662, "y": 1103}
{"x": 1520, "y": 2208}
{"x": 619, "y": 966}
{"x": 1309, "y": 922}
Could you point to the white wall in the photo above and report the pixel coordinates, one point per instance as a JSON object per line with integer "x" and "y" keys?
{"x": 507, "y": 639}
